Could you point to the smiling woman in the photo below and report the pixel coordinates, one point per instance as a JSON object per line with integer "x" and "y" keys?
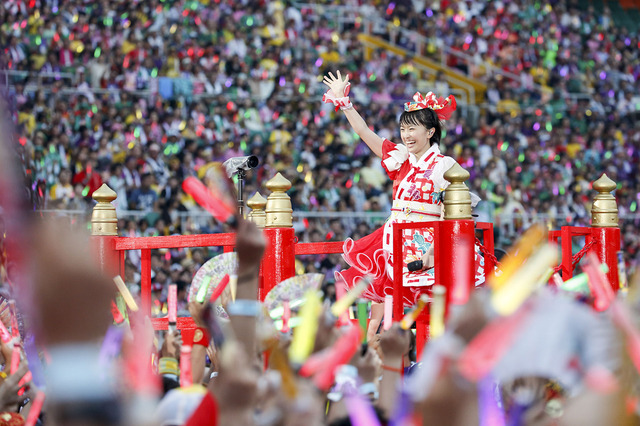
{"x": 417, "y": 169}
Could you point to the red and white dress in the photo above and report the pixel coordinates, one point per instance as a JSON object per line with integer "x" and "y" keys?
{"x": 417, "y": 190}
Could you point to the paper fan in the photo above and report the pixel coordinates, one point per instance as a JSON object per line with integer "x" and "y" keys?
{"x": 292, "y": 289}
{"x": 214, "y": 270}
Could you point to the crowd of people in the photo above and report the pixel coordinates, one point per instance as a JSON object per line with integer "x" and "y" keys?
{"x": 142, "y": 95}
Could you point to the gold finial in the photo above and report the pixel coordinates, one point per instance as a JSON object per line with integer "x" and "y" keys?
{"x": 104, "y": 220}
{"x": 604, "y": 210}
{"x": 257, "y": 203}
{"x": 457, "y": 201}
{"x": 279, "y": 213}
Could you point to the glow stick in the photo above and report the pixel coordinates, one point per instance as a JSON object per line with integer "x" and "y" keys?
{"x": 4, "y": 333}
{"x": 279, "y": 311}
{"x": 546, "y": 276}
{"x": 363, "y": 317}
{"x": 598, "y": 283}
{"x": 233, "y": 286}
{"x": 186, "y": 379}
{"x": 35, "y": 365}
{"x": 115, "y": 312}
{"x": 36, "y": 408}
{"x": 313, "y": 364}
{"x": 122, "y": 307}
{"x": 557, "y": 280}
{"x": 506, "y": 299}
{"x": 279, "y": 362}
{"x": 411, "y": 316}
{"x": 15, "y": 329}
{"x": 481, "y": 354}
{"x": 341, "y": 352}
{"x": 403, "y": 410}
{"x": 388, "y": 311}
{"x": 342, "y": 304}
{"x": 217, "y": 292}
{"x": 25, "y": 379}
{"x": 436, "y": 317}
{"x": 580, "y": 282}
{"x": 304, "y": 335}
{"x": 204, "y": 288}
{"x": 360, "y": 410}
{"x": 490, "y": 414}
{"x": 15, "y": 358}
{"x": 286, "y": 315}
{"x": 172, "y": 302}
{"x": 523, "y": 249}
{"x": 213, "y": 203}
{"x": 340, "y": 293}
{"x": 126, "y": 294}
{"x": 293, "y": 323}
{"x": 622, "y": 272}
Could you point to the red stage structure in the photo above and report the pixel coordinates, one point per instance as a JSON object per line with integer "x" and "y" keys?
{"x": 454, "y": 246}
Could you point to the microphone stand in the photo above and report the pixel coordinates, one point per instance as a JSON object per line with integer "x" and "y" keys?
{"x": 241, "y": 175}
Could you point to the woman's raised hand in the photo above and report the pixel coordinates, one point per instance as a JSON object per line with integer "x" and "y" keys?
{"x": 336, "y": 84}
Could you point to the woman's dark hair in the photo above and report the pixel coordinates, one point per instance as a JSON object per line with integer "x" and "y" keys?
{"x": 424, "y": 117}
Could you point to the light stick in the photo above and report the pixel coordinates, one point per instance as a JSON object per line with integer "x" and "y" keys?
{"x": 388, "y": 311}
{"x": 622, "y": 272}
{"x": 279, "y": 362}
{"x": 286, "y": 315}
{"x": 360, "y": 410}
{"x": 598, "y": 283}
{"x": 363, "y": 316}
{"x": 15, "y": 358}
{"x": 4, "y": 333}
{"x": 341, "y": 352}
{"x": 115, "y": 312}
{"x": 507, "y": 298}
{"x": 523, "y": 249}
{"x": 557, "y": 280}
{"x": 233, "y": 286}
{"x": 186, "y": 379}
{"x": 126, "y": 294}
{"x": 304, "y": 335}
{"x": 36, "y": 408}
{"x": 172, "y": 302}
{"x": 411, "y": 316}
{"x": 204, "y": 288}
{"x": 342, "y": 304}
{"x": 213, "y": 203}
{"x": 490, "y": 413}
{"x": 580, "y": 282}
{"x": 436, "y": 317}
{"x": 217, "y": 292}
{"x": 491, "y": 343}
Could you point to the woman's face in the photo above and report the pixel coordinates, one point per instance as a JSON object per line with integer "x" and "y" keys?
{"x": 416, "y": 138}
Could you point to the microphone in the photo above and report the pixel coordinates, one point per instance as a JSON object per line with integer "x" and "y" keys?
{"x": 234, "y": 164}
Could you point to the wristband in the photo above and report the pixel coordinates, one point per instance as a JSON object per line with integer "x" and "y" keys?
{"x": 346, "y": 107}
{"x": 201, "y": 337}
{"x": 395, "y": 370}
{"x": 168, "y": 365}
{"x": 368, "y": 389}
{"x": 244, "y": 307}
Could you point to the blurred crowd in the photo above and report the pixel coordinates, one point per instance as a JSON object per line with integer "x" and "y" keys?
{"x": 140, "y": 95}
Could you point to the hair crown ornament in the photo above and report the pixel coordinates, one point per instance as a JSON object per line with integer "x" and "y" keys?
{"x": 441, "y": 106}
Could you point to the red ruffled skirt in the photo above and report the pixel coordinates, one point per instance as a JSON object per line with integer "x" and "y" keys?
{"x": 366, "y": 257}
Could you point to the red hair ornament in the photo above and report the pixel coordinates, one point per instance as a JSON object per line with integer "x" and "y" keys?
{"x": 441, "y": 106}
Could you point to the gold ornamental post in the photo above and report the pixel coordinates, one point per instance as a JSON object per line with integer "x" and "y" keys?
{"x": 257, "y": 215}
{"x": 104, "y": 220}
{"x": 604, "y": 210}
{"x": 279, "y": 213}
{"x": 457, "y": 200}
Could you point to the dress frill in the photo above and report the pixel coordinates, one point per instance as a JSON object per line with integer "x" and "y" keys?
{"x": 366, "y": 257}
